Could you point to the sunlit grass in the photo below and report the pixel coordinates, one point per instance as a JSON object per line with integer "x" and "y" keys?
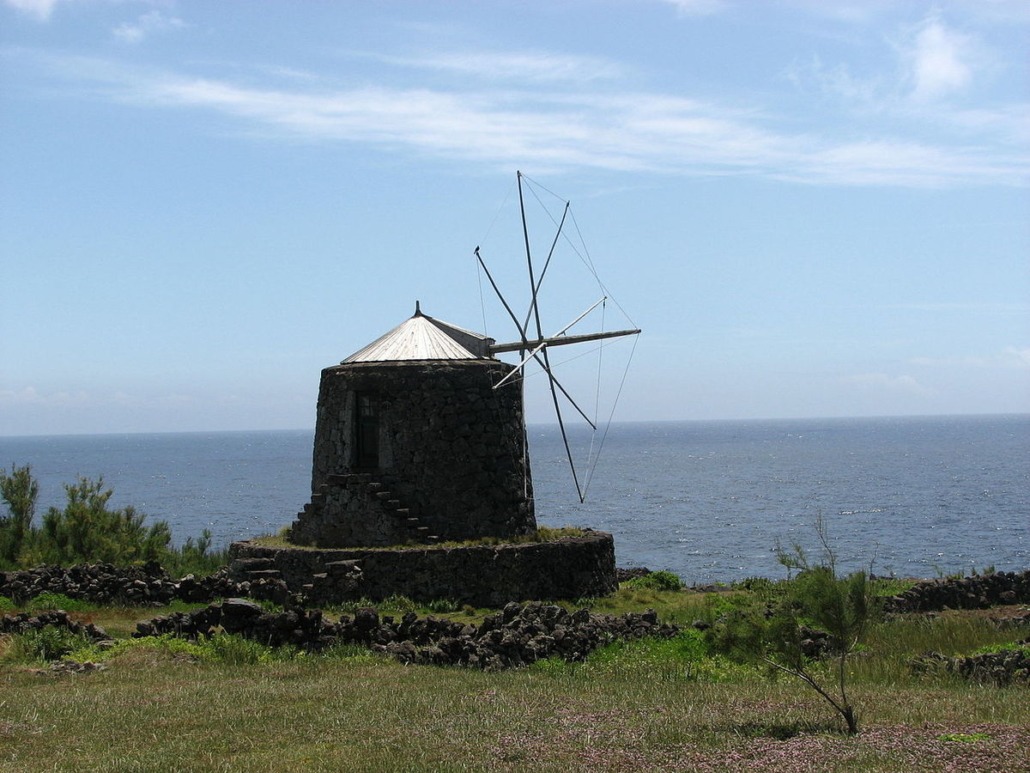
{"x": 231, "y": 704}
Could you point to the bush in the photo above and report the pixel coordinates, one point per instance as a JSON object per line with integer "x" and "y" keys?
{"x": 87, "y": 530}
{"x": 19, "y": 492}
{"x": 48, "y": 643}
{"x": 778, "y": 630}
{"x": 659, "y": 581}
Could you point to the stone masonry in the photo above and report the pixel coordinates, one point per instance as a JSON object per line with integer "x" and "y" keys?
{"x": 443, "y": 457}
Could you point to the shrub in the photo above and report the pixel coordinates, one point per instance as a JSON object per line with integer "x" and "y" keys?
{"x": 19, "y": 491}
{"x": 46, "y": 644}
{"x": 660, "y": 581}
{"x": 86, "y": 530}
{"x": 775, "y": 631}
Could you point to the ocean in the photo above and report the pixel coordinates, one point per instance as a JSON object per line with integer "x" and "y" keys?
{"x": 912, "y": 497}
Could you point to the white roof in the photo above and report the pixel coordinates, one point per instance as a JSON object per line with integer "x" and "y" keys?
{"x": 424, "y": 338}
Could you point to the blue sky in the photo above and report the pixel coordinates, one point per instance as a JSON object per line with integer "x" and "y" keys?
{"x": 810, "y": 208}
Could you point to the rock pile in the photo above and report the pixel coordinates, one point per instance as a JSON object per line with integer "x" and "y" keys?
{"x": 58, "y": 618}
{"x": 975, "y": 592}
{"x": 516, "y": 636}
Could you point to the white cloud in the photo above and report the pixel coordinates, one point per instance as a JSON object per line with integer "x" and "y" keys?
{"x": 146, "y": 25}
{"x": 1011, "y": 357}
{"x": 882, "y": 382}
{"x": 940, "y": 61}
{"x": 40, "y": 9}
{"x": 29, "y": 396}
{"x": 698, "y": 7}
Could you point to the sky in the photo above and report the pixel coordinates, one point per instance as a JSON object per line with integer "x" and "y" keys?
{"x": 811, "y": 209}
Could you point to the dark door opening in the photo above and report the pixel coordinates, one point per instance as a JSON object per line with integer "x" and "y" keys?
{"x": 367, "y": 432}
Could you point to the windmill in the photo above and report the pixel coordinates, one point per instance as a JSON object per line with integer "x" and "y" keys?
{"x": 532, "y": 345}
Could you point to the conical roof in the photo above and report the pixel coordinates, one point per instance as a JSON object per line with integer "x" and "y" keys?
{"x": 423, "y": 338}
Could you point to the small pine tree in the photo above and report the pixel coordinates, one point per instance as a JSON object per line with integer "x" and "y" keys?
{"x": 775, "y": 631}
{"x": 19, "y": 491}
{"x": 86, "y": 530}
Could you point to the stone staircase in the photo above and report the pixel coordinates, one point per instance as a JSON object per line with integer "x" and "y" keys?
{"x": 339, "y": 578}
{"x": 376, "y": 499}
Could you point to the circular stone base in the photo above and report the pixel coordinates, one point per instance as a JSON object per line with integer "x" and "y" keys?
{"x": 480, "y": 575}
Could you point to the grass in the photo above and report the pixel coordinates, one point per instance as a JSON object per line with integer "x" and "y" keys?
{"x": 543, "y": 534}
{"x": 230, "y": 704}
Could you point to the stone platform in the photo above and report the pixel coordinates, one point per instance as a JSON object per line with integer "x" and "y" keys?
{"x": 480, "y": 575}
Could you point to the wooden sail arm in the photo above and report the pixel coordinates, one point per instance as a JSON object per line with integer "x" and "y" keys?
{"x": 558, "y": 341}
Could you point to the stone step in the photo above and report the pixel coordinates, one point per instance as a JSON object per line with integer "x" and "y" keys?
{"x": 347, "y": 478}
{"x": 383, "y": 496}
{"x": 342, "y": 568}
{"x": 253, "y": 564}
{"x": 257, "y": 574}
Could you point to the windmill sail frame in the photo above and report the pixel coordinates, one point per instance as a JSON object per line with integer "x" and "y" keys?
{"x": 535, "y": 347}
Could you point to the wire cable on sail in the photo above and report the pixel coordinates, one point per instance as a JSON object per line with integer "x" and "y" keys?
{"x": 611, "y": 415}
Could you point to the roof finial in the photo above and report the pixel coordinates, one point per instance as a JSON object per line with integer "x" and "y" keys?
{"x": 418, "y": 311}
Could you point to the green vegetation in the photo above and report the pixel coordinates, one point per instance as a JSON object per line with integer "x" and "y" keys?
{"x": 656, "y": 581}
{"x": 88, "y": 530}
{"x": 674, "y": 704}
{"x": 720, "y": 695}
{"x": 779, "y": 630}
{"x": 543, "y": 534}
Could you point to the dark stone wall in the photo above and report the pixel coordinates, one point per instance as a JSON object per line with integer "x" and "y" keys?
{"x": 451, "y": 458}
{"x": 482, "y": 575}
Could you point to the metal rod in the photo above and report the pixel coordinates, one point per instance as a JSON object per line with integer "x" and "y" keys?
{"x": 560, "y": 340}
{"x": 522, "y": 331}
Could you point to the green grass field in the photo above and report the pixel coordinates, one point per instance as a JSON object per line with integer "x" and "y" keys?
{"x": 650, "y": 705}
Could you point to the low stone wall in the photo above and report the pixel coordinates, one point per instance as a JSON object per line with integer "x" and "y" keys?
{"x": 1010, "y": 666}
{"x": 481, "y": 575}
{"x": 979, "y": 591}
{"x": 144, "y": 585}
{"x": 515, "y": 636}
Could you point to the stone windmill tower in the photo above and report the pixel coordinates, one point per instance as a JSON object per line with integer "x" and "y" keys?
{"x": 420, "y": 439}
{"x": 416, "y": 443}
{"x": 420, "y": 435}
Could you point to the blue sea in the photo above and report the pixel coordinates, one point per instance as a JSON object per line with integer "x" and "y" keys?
{"x": 914, "y": 497}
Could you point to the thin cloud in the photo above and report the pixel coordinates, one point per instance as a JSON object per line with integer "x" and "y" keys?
{"x": 883, "y": 382}
{"x": 39, "y": 9}
{"x": 1011, "y": 357}
{"x": 539, "y": 67}
{"x": 146, "y": 25}
{"x": 561, "y": 128}
{"x": 699, "y": 7}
